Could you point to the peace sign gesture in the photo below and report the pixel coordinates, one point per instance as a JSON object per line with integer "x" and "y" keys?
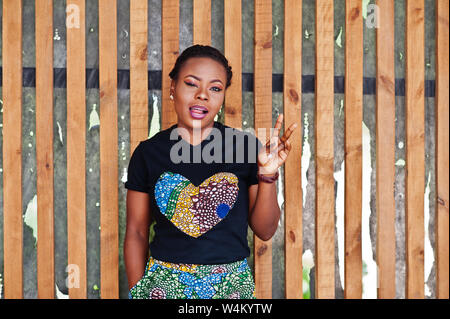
{"x": 276, "y": 150}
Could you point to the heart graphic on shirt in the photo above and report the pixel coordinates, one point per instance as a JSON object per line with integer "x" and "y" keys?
{"x": 196, "y": 209}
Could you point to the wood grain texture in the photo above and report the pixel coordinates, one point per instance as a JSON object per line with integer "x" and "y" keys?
{"x": 292, "y": 167}
{"x": 12, "y": 148}
{"x": 76, "y": 149}
{"x": 233, "y": 52}
{"x": 353, "y": 102}
{"x": 385, "y": 150}
{"x": 263, "y": 120}
{"x": 138, "y": 72}
{"x": 324, "y": 150}
{"x": 415, "y": 148}
{"x": 170, "y": 50}
{"x": 109, "y": 162}
{"x": 44, "y": 149}
{"x": 202, "y": 22}
{"x": 442, "y": 150}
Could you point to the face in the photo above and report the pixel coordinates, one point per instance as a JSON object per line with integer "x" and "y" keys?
{"x": 199, "y": 91}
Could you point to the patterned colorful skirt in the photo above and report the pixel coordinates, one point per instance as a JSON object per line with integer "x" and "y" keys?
{"x": 163, "y": 280}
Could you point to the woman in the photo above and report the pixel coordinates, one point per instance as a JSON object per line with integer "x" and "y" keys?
{"x": 204, "y": 199}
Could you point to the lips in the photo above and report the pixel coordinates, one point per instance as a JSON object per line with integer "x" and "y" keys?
{"x": 198, "y": 109}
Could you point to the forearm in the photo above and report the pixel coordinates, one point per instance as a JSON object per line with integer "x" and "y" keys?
{"x": 135, "y": 250}
{"x": 265, "y": 214}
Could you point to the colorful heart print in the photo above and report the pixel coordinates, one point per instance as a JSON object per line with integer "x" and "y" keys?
{"x": 196, "y": 209}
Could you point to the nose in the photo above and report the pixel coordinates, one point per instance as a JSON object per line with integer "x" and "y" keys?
{"x": 202, "y": 94}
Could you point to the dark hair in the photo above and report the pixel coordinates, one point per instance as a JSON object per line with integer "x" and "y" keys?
{"x": 201, "y": 51}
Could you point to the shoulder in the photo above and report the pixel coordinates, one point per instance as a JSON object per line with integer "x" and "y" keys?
{"x": 241, "y": 140}
{"x": 158, "y": 138}
{"x": 247, "y": 134}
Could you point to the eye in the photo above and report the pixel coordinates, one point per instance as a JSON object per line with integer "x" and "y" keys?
{"x": 216, "y": 89}
{"x": 190, "y": 83}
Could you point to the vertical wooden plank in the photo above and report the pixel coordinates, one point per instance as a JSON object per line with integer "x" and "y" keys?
{"x": 263, "y": 120}
{"x": 202, "y": 22}
{"x": 385, "y": 150}
{"x": 324, "y": 121}
{"x": 292, "y": 168}
{"x": 12, "y": 148}
{"x": 76, "y": 148}
{"x": 109, "y": 161}
{"x": 415, "y": 148}
{"x": 138, "y": 72}
{"x": 44, "y": 148}
{"x": 353, "y": 147}
{"x": 170, "y": 49}
{"x": 233, "y": 52}
{"x": 442, "y": 150}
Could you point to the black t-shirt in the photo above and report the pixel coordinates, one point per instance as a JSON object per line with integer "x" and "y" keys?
{"x": 198, "y": 194}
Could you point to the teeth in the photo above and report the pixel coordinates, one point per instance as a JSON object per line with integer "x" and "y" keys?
{"x": 199, "y": 109}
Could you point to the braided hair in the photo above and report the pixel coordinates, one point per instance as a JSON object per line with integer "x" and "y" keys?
{"x": 197, "y": 51}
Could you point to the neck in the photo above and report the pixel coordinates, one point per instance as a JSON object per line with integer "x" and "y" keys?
{"x": 195, "y": 134}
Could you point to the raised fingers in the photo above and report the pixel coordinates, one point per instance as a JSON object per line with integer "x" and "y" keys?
{"x": 275, "y": 143}
{"x": 288, "y": 132}
{"x": 288, "y": 145}
{"x": 284, "y": 150}
{"x": 277, "y": 128}
{"x": 272, "y": 144}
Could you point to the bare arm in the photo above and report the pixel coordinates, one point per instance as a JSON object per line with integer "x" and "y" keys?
{"x": 135, "y": 247}
{"x": 264, "y": 212}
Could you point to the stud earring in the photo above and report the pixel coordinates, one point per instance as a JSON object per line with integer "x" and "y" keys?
{"x": 171, "y": 96}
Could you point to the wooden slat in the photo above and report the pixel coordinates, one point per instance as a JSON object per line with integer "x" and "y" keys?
{"x": 138, "y": 72}
{"x": 109, "y": 161}
{"x": 202, "y": 22}
{"x": 324, "y": 121}
{"x": 12, "y": 148}
{"x": 44, "y": 149}
{"x": 292, "y": 168}
{"x": 76, "y": 150}
{"x": 263, "y": 120}
{"x": 385, "y": 150}
{"x": 415, "y": 148}
{"x": 353, "y": 147}
{"x": 170, "y": 49}
{"x": 233, "y": 52}
{"x": 442, "y": 150}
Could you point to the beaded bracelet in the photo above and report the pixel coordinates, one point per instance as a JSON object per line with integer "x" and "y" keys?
{"x": 267, "y": 179}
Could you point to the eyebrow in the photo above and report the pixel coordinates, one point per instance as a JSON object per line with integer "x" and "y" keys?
{"x": 199, "y": 79}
